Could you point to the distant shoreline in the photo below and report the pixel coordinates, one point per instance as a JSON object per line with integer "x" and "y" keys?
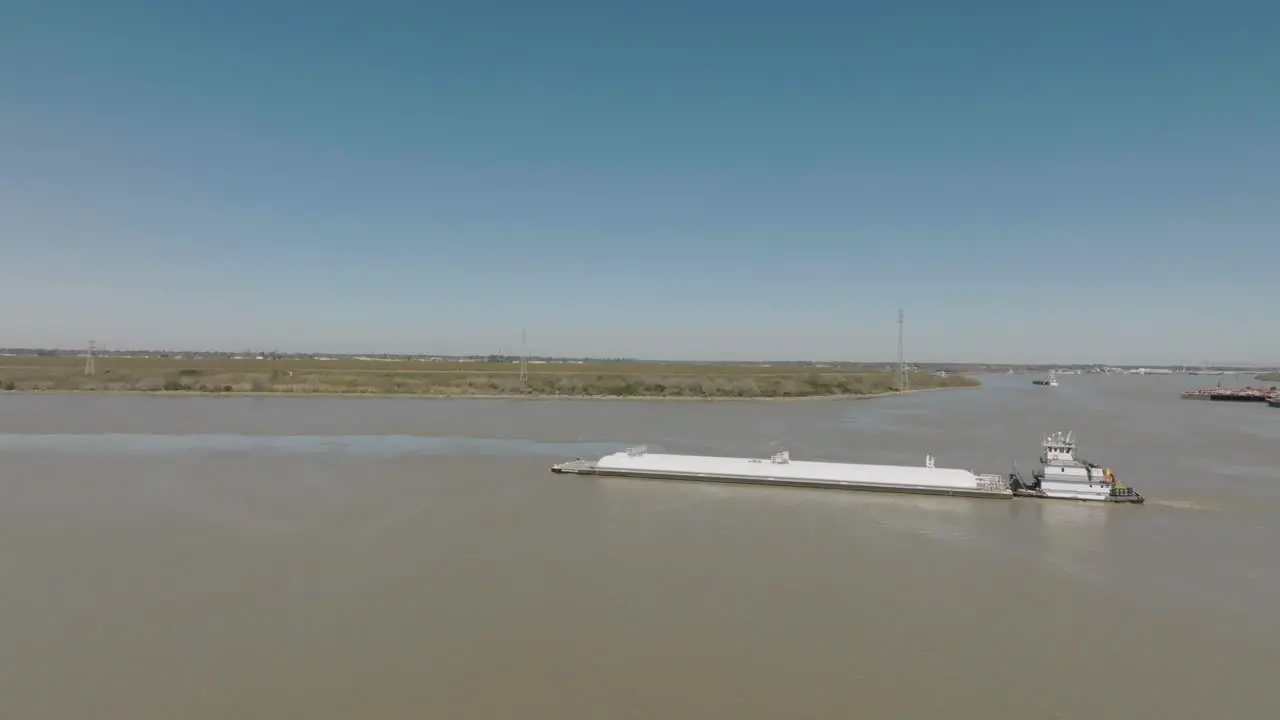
{"x": 424, "y": 396}
{"x": 606, "y": 381}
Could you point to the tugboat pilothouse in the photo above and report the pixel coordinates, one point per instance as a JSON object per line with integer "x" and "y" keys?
{"x": 1063, "y": 476}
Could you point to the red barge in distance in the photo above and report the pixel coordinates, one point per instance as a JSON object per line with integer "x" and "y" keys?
{"x": 1234, "y": 395}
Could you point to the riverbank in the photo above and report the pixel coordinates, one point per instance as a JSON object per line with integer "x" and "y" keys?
{"x": 529, "y": 397}
{"x": 444, "y": 380}
{"x": 1268, "y": 377}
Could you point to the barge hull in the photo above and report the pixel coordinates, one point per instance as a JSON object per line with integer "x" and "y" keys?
{"x": 589, "y": 469}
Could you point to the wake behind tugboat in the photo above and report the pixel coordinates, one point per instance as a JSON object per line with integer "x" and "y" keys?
{"x": 1061, "y": 475}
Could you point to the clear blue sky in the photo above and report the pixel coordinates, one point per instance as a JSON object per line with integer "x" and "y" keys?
{"x": 1032, "y": 181}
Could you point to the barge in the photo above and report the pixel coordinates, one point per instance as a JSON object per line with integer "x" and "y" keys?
{"x": 780, "y": 469}
{"x": 1061, "y": 476}
{"x": 1230, "y": 394}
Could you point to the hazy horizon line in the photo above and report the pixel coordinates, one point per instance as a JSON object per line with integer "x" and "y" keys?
{"x": 82, "y": 352}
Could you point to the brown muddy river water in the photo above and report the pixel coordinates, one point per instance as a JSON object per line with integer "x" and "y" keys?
{"x": 193, "y": 558}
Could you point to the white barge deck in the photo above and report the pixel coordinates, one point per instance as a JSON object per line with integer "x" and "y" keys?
{"x": 780, "y": 469}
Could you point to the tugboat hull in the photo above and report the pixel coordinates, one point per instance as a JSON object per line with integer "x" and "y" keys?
{"x": 1131, "y": 498}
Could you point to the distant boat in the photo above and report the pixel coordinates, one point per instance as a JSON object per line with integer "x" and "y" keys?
{"x": 1050, "y": 381}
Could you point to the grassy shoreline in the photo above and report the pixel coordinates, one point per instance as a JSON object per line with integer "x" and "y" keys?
{"x": 528, "y": 397}
{"x": 444, "y": 380}
{"x": 1268, "y": 377}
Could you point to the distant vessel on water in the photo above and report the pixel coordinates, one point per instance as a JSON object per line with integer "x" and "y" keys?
{"x": 1241, "y": 395}
{"x": 1050, "y": 381}
{"x": 1221, "y": 394}
{"x": 1064, "y": 477}
{"x": 1061, "y": 476}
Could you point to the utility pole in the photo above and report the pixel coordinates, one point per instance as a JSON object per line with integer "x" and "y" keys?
{"x": 904, "y": 383}
{"x": 89, "y": 368}
{"x": 524, "y": 356}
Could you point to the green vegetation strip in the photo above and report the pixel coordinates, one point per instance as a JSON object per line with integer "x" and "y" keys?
{"x": 453, "y": 379}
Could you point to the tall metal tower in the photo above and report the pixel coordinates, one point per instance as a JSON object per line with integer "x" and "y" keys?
{"x": 89, "y": 369}
{"x": 524, "y": 356}
{"x": 903, "y": 382}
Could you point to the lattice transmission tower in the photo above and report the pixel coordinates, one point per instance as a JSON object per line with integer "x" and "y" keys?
{"x": 904, "y": 383}
{"x": 524, "y": 356}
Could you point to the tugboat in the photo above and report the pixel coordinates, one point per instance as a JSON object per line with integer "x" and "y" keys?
{"x": 1273, "y": 400}
{"x": 1064, "y": 477}
{"x": 1051, "y": 381}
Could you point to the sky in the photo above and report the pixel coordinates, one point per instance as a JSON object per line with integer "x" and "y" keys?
{"x": 1030, "y": 181}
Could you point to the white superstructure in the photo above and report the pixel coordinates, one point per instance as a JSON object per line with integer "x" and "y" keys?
{"x": 780, "y": 469}
{"x": 1064, "y": 476}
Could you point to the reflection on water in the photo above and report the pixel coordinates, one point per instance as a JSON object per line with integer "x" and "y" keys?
{"x": 1072, "y": 528}
{"x": 942, "y": 518}
{"x": 1069, "y": 520}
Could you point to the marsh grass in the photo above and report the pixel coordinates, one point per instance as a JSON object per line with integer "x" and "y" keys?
{"x": 452, "y": 379}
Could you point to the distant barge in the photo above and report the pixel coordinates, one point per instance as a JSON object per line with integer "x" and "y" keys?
{"x": 1232, "y": 394}
{"x": 1061, "y": 475}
